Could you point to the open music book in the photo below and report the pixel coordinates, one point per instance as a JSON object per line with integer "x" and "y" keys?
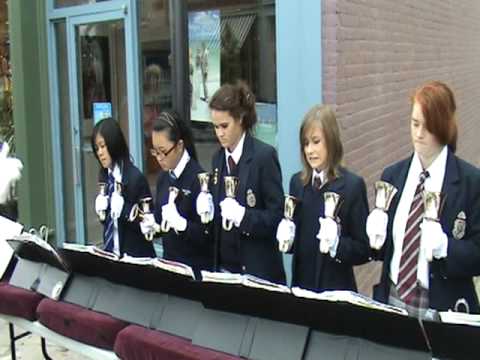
{"x": 245, "y": 280}
{"x": 348, "y": 297}
{"x": 91, "y": 249}
{"x": 453, "y": 317}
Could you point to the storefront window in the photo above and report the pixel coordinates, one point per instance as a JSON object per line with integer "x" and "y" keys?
{"x": 66, "y": 3}
{"x": 231, "y": 41}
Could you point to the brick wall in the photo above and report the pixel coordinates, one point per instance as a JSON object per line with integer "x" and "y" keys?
{"x": 376, "y": 53}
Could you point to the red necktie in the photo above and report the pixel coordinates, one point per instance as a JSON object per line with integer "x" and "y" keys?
{"x": 407, "y": 276}
{"x": 232, "y": 166}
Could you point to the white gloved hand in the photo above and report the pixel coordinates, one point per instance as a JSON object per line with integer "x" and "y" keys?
{"x": 285, "y": 235}
{"x": 11, "y": 172}
{"x": 117, "y": 175}
{"x": 434, "y": 242}
{"x": 171, "y": 215}
{"x": 232, "y": 210}
{"x": 148, "y": 225}
{"x": 328, "y": 236}
{"x": 377, "y": 222}
{"x": 101, "y": 204}
{"x": 205, "y": 205}
{"x": 116, "y": 205}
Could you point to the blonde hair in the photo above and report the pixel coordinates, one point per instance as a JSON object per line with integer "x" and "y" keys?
{"x": 323, "y": 117}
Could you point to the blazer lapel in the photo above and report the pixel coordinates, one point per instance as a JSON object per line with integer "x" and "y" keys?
{"x": 450, "y": 186}
{"x": 218, "y": 165}
{"x": 244, "y": 167}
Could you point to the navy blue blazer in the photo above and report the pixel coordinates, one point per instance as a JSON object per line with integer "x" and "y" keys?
{"x": 260, "y": 192}
{"x": 192, "y": 246}
{"x": 134, "y": 188}
{"x": 312, "y": 269}
{"x": 450, "y": 278}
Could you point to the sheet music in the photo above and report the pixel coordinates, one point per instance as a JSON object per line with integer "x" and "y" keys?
{"x": 245, "y": 280}
{"x": 348, "y": 297}
{"x": 172, "y": 266}
{"x": 91, "y": 249}
{"x": 453, "y": 317}
{"x": 137, "y": 260}
{"x": 9, "y": 229}
{"x": 32, "y": 238}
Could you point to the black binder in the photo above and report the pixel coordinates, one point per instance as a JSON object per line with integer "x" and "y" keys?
{"x": 453, "y": 341}
{"x": 39, "y": 267}
{"x": 338, "y": 318}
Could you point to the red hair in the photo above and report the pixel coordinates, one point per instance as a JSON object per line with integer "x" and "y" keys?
{"x": 438, "y": 106}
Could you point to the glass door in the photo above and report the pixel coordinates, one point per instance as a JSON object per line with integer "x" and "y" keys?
{"x": 101, "y": 84}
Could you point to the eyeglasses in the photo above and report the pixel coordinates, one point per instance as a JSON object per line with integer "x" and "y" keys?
{"x": 161, "y": 154}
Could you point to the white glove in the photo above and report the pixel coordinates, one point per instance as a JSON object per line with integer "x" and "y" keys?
{"x": 117, "y": 175}
{"x": 170, "y": 215}
{"x": 205, "y": 205}
{"x": 328, "y": 236}
{"x": 377, "y": 222}
{"x": 285, "y": 235}
{"x": 116, "y": 205}
{"x": 232, "y": 210}
{"x": 148, "y": 225}
{"x": 11, "y": 169}
{"x": 101, "y": 204}
{"x": 434, "y": 242}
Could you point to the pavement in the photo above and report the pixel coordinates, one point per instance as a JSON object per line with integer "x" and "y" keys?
{"x": 29, "y": 347}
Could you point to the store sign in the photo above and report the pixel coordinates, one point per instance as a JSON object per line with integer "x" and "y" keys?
{"x": 101, "y": 110}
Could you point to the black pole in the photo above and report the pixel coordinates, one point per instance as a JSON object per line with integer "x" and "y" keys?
{"x": 179, "y": 58}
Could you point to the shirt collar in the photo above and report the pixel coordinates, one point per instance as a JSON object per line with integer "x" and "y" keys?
{"x": 182, "y": 164}
{"x": 315, "y": 173}
{"x": 436, "y": 170}
{"x": 236, "y": 154}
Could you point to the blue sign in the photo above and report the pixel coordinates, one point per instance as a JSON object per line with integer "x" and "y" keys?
{"x": 101, "y": 110}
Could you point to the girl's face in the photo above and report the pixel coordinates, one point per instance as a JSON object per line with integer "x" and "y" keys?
{"x": 167, "y": 153}
{"x": 424, "y": 142}
{"x": 314, "y": 147}
{"x": 228, "y": 130}
{"x": 102, "y": 152}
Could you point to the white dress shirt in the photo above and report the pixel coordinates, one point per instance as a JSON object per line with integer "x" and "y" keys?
{"x": 181, "y": 164}
{"x": 236, "y": 154}
{"x": 116, "y": 239}
{"x": 433, "y": 183}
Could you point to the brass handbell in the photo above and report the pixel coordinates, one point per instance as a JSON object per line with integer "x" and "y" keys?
{"x": 204, "y": 180}
{"x": 333, "y": 201}
{"x": 231, "y": 184}
{"x": 289, "y": 206}
{"x": 102, "y": 190}
{"x": 433, "y": 204}
{"x": 145, "y": 208}
{"x": 172, "y": 195}
{"x": 384, "y": 193}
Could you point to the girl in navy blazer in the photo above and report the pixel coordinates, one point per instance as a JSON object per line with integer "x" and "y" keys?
{"x": 250, "y": 246}
{"x": 324, "y": 248}
{"x": 187, "y": 239}
{"x": 446, "y": 255}
{"x": 121, "y": 232}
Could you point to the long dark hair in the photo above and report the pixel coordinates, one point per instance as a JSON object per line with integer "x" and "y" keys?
{"x": 116, "y": 144}
{"x": 177, "y": 130}
{"x": 239, "y": 101}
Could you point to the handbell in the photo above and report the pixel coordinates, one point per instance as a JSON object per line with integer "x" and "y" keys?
{"x": 118, "y": 187}
{"x": 204, "y": 180}
{"x": 102, "y": 190}
{"x": 289, "y": 206}
{"x": 231, "y": 184}
{"x": 145, "y": 208}
{"x": 384, "y": 193}
{"x": 433, "y": 204}
{"x": 333, "y": 201}
{"x": 172, "y": 195}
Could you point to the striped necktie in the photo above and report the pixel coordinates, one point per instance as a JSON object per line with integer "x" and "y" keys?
{"x": 407, "y": 276}
{"x": 108, "y": 227}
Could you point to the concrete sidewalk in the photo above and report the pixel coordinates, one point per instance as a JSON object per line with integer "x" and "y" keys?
{"x": 29, "y": 347}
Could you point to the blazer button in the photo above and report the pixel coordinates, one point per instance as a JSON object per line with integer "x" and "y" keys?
{"x": 244, "y": 268}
